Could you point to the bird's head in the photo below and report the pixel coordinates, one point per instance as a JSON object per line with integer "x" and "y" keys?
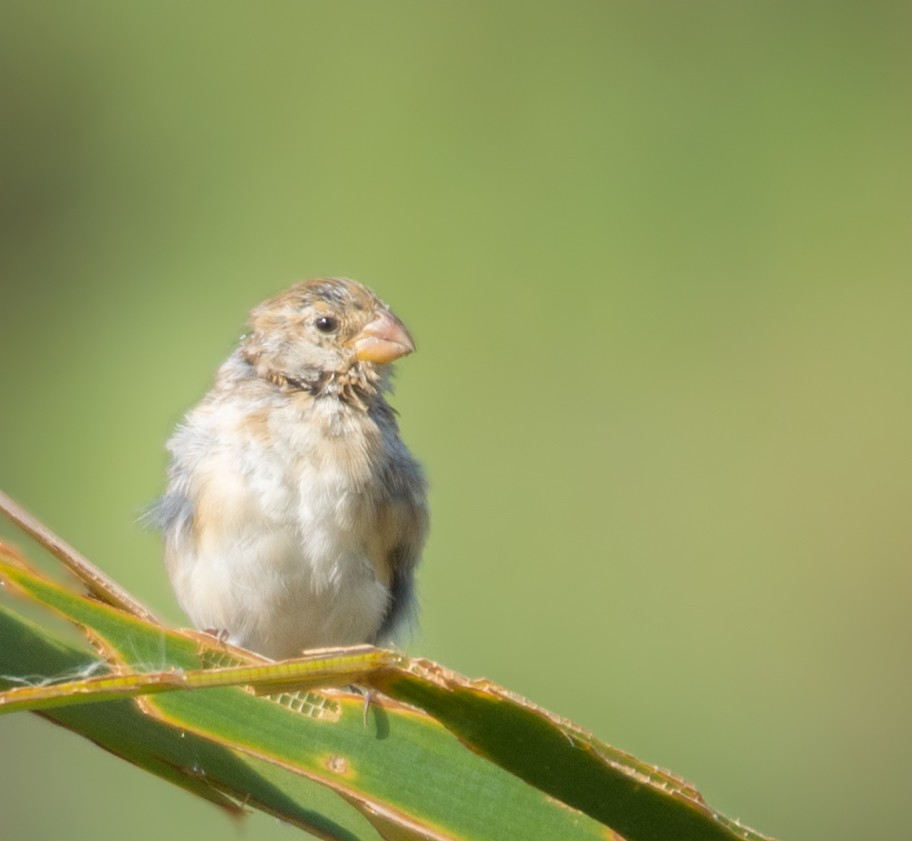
{"x": 328, "y": 333}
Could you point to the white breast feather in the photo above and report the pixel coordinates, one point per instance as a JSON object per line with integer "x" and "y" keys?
{"x": 283, "y": 553}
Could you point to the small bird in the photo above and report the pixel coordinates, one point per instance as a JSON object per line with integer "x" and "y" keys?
{"x": 294, "y": 515}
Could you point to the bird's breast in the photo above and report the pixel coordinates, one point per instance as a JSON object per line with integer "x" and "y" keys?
{"x": 319, "y": 473}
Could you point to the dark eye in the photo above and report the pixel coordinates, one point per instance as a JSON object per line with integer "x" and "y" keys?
{"x": 326, "y": 324}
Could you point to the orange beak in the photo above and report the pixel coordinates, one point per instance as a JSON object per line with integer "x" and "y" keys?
{"x": 383, "y": 340}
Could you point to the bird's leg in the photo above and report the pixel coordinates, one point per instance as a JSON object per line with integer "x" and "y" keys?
{"x": 221, "y": 635}
{"x": 368, "y": 697}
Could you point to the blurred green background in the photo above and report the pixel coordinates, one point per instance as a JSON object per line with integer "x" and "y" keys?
{"x": 657, "y": 260}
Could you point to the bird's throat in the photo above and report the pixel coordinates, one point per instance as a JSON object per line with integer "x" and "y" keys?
{"x": 357, "y": 386}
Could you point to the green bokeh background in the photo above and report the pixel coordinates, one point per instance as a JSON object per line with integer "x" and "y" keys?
{"x": 657, "y": 260}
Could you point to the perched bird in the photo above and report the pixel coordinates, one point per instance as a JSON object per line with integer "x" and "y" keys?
{"x": 294, "y": 515}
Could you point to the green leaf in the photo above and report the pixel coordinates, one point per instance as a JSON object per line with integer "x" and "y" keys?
{"x": 439, "y": 756}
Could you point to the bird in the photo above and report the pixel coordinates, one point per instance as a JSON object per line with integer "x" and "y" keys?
{"x": 294, "y": 516}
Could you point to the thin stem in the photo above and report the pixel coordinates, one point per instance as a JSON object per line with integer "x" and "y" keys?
{"x": 98, "y": 584}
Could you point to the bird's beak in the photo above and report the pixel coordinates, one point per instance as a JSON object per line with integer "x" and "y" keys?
{"x": 383, "y": 340}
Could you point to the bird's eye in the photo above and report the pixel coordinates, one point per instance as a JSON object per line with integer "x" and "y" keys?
{"x": 326, "y": 324}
